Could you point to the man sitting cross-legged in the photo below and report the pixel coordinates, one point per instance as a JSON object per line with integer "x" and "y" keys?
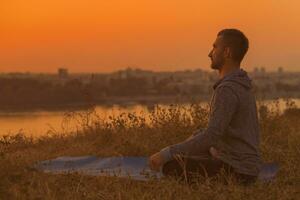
{"x": 231, "y": 140}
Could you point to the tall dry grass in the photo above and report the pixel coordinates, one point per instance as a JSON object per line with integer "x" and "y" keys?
{"x": 140, "y": 135}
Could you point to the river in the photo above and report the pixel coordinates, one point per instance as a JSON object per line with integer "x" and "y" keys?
{"x": 39, "y": 123}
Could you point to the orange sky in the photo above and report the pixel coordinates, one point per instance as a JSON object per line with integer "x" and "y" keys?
{"x": 106, "y": 35}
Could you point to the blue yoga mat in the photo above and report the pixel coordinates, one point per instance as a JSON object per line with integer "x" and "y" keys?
{"x": 136, "y": 168}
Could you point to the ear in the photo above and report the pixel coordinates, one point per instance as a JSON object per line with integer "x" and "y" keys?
{"x": 227, "y": 52}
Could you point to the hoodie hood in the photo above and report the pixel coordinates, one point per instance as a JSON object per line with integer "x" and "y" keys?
{"x": 239, "y": 76}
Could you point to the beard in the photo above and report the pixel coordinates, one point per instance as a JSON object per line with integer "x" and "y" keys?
{"x": 217, "y": 63}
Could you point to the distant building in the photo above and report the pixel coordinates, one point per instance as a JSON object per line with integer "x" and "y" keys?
{"x": 63, "y": 73}
{"x": 255, "y": 70}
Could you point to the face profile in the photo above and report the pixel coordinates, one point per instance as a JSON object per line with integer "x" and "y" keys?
{"x": 217, "y": 54}
{"x": 229, "y": 49}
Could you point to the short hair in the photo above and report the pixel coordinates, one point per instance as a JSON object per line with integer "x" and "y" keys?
{"x": 236, "y": 41}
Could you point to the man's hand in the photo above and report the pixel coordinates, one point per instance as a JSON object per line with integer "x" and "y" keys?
{"x": 155, "y": 161}
{"x": 214, "y": 153}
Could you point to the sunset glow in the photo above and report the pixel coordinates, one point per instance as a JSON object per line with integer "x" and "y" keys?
{"x": 103, "y": 36}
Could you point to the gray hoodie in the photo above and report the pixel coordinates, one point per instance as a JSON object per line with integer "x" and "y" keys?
{"x": 232, "y": 129}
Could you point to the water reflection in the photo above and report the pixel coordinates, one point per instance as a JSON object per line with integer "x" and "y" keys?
{"x": 40, "y": 122}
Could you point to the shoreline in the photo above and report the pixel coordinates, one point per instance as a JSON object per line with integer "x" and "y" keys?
{"x": 121, "y": 101}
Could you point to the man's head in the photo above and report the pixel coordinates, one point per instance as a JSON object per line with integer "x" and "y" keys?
{"x": 230, "y": 46}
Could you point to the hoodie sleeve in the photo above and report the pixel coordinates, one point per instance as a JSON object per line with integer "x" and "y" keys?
{"x": 223, "y": 106}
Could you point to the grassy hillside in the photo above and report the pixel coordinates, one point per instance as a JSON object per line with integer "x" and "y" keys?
{"x": 136, "y": 135}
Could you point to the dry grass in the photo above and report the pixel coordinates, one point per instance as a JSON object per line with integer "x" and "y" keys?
{"x": 130, "y": 134}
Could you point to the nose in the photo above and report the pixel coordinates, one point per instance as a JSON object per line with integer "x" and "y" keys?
{"x": 210, "y": 53}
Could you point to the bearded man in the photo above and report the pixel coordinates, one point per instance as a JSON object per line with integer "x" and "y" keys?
{"x": 231, "y": 140}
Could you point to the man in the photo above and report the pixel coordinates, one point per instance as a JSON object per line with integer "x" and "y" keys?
{"x": 231, "y": 139}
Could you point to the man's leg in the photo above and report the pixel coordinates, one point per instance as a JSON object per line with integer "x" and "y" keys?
{"x": 187, "y": 168}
